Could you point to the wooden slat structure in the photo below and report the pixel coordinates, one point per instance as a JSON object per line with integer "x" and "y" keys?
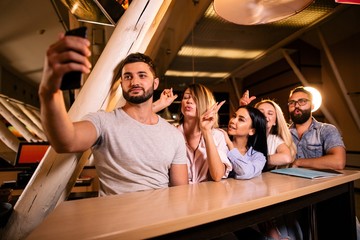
{"x": 16, "y": 123}
{"x": 7, "y": 138}
{"x": 54, "y": 177}
{"x": 30, "y": 114}
{"x": 16, "y": 113}
{"x": 23, "y": 118}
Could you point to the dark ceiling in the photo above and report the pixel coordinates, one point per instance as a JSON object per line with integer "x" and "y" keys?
{"x": 238, "y": 50}
{"x": 211, "y": 52}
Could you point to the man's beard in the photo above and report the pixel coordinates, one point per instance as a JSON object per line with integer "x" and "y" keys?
{"x": 300, "y": 118}
{"x": 139, "y": 99}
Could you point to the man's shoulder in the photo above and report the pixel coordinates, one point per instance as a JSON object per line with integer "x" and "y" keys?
{"x": 102, "y": 112}
{"x": 323, "y": 125}
{"x": 165, "y": 124}
{"x": 93, "y": 115}
{"x": 171, "y": 131}
{"x": 328, "y": 132}
{"x": 163, "y": 121}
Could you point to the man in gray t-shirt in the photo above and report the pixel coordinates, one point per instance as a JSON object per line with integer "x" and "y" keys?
{"x": 134, "y": 149}
{"x": 131, "y": 156}
{"x": 319, "y": 145}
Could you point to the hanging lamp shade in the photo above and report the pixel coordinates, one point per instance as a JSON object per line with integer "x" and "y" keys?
{"x": 253, "y": 12}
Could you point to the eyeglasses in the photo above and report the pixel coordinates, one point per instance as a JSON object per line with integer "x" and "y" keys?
{"x": 301, "y": 102}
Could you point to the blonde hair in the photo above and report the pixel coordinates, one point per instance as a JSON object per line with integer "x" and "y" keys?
{"x": 204, "y": 99}
{"x": 281, "y": 128}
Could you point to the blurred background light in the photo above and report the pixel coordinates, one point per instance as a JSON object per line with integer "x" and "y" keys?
{"x": 317, "y": 98}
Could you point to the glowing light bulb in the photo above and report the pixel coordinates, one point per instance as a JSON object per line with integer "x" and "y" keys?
{"x": 317, "y": 99}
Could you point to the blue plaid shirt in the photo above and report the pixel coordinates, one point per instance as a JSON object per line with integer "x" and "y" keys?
{"x": 317, "y": 140}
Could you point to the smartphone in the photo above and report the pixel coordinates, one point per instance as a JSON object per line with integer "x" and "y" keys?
{"x": 72, "y": 80}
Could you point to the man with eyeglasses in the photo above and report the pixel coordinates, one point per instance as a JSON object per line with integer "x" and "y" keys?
{"x": 319, "y": 145}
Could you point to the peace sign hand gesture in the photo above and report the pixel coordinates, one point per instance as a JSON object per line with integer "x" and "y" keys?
{"x": 245, "y": 99}
{"x": 207, "y": 119}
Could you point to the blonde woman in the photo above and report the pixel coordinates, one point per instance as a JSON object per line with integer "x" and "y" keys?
{"x": 205, "y": 144}
{"x": 281, "y": 147}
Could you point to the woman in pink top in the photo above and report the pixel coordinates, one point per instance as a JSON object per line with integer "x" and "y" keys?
{"x": 205, "y": 143}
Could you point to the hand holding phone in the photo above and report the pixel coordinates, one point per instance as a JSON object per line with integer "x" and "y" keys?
{"x": 72, "y": 80}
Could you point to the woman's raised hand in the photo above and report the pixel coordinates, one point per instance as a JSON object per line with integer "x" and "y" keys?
{"x": 207, "y": 119}
{"x": 245, "y": 99}
{"x": 167, "y": 97}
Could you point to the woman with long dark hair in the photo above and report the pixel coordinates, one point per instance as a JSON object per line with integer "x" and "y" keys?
{"x": 248, "y": 148}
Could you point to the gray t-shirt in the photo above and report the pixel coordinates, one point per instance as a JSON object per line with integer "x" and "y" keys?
{"x": 130, "y": 156}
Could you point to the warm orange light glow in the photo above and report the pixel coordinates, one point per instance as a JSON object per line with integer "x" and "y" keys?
{"x": 124, "y": 3}
{"x": 15, "y": 132}
{"x": 317, "y": 99}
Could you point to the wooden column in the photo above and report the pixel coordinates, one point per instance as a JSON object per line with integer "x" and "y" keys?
{"x": 49, "y": 182}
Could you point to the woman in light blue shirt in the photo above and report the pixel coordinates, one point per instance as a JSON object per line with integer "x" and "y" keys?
{"x": 248, "y": 148}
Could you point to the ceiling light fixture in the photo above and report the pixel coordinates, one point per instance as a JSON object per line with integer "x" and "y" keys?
{"x": 230, "y": 53}
{"x": 196, "y": 74}
{"x": 253, "y": 12}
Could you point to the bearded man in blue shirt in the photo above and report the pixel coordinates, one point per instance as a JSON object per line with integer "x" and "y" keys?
{"x": 319, "y": 145}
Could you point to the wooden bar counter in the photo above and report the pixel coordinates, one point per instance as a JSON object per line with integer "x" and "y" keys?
{"x": 204, "y": 210}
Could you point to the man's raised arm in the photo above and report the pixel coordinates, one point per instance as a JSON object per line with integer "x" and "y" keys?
{"x": 67, "y": 54}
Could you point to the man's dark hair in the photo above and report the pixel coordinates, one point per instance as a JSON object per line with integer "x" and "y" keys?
{"x": 301, "y": 89}
{"x": 138, "y": 57}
